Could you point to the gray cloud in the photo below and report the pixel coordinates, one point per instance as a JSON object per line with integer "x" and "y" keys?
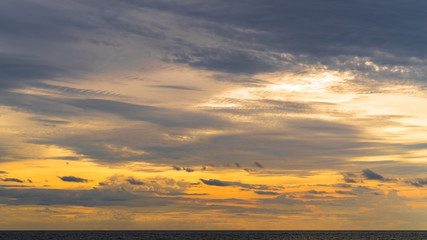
{"x": 73, "y": 179}
{"x": 341, "y": 31}
{"x": 187, "y": 169}
{"x": 74, "y": 107}
{"x": 176, "y": 87}
{"x": 370, "y": 175}
{"x": 157, "y": 115}
{"x": 345, "y": 192}
{"x": 350, "y": 177}
{"x": 303, "y": 29}
{"x": 12, "y": 180}
{"x": 316, "y": 192}
{"x": 215, "y": 182}
{"x": 230, "y": 61}
{"x": 257, "y": 164}
{"x": 266, "y": 193}
{"x": 134, "y": 181}
{"x": 3, "y": 172}
{"x": 91, "y": 198}
{"x": 15, "y": 71}
{"x": 13, "y": 185}
{"x": 342, "y": 185}
{"x": 418, "y": 182}
{"x": 219, "y": 183}
{"x": 50, "y": 121}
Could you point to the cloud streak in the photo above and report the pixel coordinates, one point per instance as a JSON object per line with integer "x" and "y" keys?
{"x": 219, "y": 183}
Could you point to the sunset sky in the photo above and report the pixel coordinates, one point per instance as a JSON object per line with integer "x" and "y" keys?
{"x": 213, "y": 114}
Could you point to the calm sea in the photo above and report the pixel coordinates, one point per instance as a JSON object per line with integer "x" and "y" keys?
{"x": 219, "y": 235}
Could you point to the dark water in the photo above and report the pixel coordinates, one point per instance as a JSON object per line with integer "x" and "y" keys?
{"x": 219, "y": 235}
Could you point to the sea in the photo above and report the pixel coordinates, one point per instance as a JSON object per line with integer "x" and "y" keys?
{"x": 215, "y": 235}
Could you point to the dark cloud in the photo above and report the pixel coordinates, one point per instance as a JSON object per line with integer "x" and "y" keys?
{"x": 50, "y": 121}
{"x": 345, "y": 192}
{"x": 12, "y": 185}
{"x": 74, "y": 107}
{"x": 342, "y": 185}
{"x": 15, "y": 71}
{"x": 40, "y": 21}
{"x": 370, "y": 175}
{"x": 266, "y": 193}
{"x": 316, "y": 192}
{"x": 219, "y": 183}
{"x": 187, "y": 169}
{"x": 165, "y": 117}
{"x": 418, "y": 182}
{"x": 215, "y": 182}
{"x": 12, "y": 180}
{"x": 91, "y": 198}
{"x": 363, "y": 189}
{"x": 350, "y": 177}
{"x": 230, "y": 61}
{"x": 134, "y": 181}
{"x": 176, "y": 87}
{"x": 73, "y": 179}
{"x": 417, "y": 146}
{"x": 283, "y": 199}
{"x": 311, "y": 27}
{"x": 3, "y": 172}
{"x": 73, "y": 92}
{"x": 310, "y": 196}
{"x": 257, "y": 164}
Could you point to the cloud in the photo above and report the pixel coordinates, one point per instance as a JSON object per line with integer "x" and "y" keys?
{"x": 134, "y": 181}
{"x": 342, "y": 185}
{"x": 73, "y": 179}
{"x": 229, "y": 61}
{"x": 187, "y": 169}
{"x": 219, "y": 183}
{"x": 3, "y": 172}
{"x": 417, "y": 182}
{"x": 161, "y": 116}
{"x": 266, "y": 193}
{"x": 350, "y": 177}
{"x": 215, "y": 182}
{"x": 370, "y": 175}
{"x": 91, "y": 198}
{"x": 257, "y": 164}
{"x": 50, "y": 121}
{"x": 66, "y": 107}
{"x": 291, "y": 26}
{"x": 176, "y": 87}
{"x": 12, "y": 180}
{"x": 316, "y": 192}
{"x": 13, "y": 185}
{"x": 345, "y": 192}
{"x": 158, "y": 185}
{"x": 15, "y": 71}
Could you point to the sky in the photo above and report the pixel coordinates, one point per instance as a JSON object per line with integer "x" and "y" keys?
{"x": 207, "y": 115}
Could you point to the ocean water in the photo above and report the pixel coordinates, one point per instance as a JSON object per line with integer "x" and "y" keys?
{"x": 215, "y": 235}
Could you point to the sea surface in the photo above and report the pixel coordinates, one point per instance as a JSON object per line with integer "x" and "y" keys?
{"x": 217, "y": 235}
